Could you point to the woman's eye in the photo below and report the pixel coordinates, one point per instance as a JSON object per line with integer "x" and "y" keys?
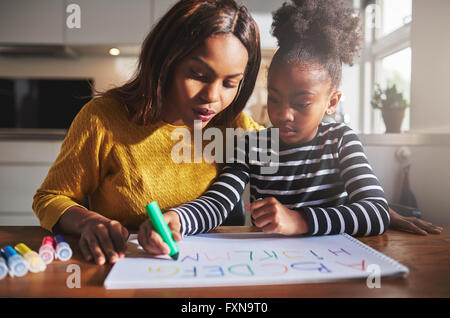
{"x": 229, "y": 84}
{"x": 197, "y": 75}
{"x": 272, "y": 99}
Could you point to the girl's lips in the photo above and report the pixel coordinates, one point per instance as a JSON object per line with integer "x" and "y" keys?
{"x": 286, "y": 132}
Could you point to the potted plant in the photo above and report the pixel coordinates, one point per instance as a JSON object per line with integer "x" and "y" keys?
{"x": 392, "y": 106}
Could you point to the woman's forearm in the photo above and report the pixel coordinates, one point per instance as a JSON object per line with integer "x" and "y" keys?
{"x": 76, "y": 218}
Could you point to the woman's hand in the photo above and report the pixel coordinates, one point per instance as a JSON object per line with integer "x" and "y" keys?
{"x": 101, "y": 239}
{"x": 273, "y": 217}
{"x": 412, "y": 224}
{"x": 151, "y": 241}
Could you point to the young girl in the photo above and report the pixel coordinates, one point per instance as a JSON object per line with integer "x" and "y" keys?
{"x": 324, "y": 184}
{"x": 117, "y": 152}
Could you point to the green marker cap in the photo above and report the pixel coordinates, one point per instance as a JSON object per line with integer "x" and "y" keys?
{"x": 160, "y": 225}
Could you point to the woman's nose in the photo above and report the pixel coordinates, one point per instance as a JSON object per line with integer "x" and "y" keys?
{"x": 211, "y": 92}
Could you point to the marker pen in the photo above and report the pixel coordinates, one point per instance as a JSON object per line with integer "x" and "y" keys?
{"x": 160, "y": 225}
{"x": 35, "y": 263}
{"x": 3, "y": 268}
{"x": 63, "y": 250}
{"x": 47, "y": 251}
{"x": 17, "y": 265}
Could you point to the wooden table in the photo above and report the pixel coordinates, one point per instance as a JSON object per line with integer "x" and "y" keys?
{"x": 427, "y": 257}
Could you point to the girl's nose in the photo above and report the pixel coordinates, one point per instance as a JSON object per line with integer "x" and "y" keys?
{"x": 285, "y": 112}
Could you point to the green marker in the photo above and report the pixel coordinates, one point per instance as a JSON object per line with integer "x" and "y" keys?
{"x": 160, "y": 225}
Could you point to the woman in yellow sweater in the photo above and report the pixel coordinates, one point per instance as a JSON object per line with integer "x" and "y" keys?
{"x": 117, "y": 152}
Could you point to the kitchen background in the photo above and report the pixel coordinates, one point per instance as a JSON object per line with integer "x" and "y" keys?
{"x": 43, "y": 49}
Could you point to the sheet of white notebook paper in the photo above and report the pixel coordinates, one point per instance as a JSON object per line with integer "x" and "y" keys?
{"x": 235, "y": 259}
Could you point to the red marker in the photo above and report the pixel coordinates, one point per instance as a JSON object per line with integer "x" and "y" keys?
{"x": 47, "y": 251}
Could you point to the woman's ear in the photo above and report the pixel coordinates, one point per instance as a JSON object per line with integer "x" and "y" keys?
{"x": 333, "y": 102}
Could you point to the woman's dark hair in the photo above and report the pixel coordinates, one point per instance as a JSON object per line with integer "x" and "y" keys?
{"x": 322, "y": 32}
{"x": 182, "y": 29}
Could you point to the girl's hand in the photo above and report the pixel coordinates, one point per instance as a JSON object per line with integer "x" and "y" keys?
{"x": 412, "y": 224}
{"x": 101, "y": 239}
{"x": 273, "y": 217}
{"x": 151, "y": 241}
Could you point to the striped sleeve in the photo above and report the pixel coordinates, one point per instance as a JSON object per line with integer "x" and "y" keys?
{"x": 366, "y": 212}
{"x": 212, "y": 208}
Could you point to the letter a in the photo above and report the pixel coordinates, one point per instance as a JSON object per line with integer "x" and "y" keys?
{"x": 73, "y": 20}
{"x": 183, "y": 146}
{"x": 373, "y": 280}
{"x": 74, "y": 280}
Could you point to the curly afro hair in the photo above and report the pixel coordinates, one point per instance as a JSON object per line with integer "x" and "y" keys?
{"x": 323, "y": 32}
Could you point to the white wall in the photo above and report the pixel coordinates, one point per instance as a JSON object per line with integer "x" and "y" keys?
{"x": 429, "y": 173}
{"x": 350, "y": 90}
{"x": 430, "y": 82}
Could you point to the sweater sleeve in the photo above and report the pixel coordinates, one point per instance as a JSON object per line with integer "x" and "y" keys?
{"x": 246, "y": 122}
{"x": 366, "y": 212}
{"x": 75, "y": 172}
{"x": 212, "y": 208}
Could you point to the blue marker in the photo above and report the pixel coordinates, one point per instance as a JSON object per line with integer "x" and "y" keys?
{"x": 17, "y": 265}
{"x": 3, "y": 268}
{"x": 63, "y": 250}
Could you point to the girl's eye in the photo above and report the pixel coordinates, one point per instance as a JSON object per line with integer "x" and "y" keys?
{"x": 300, "y": 106}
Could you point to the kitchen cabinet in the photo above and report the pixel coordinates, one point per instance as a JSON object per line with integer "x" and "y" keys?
{"x": 32, "y": 22}
{"x": 23, "y": 168}
{"x": 105, "y": 22}
{"x": 160, "y": 7}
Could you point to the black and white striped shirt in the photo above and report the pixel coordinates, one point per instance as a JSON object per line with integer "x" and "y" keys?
{"x": 329, "y": 179}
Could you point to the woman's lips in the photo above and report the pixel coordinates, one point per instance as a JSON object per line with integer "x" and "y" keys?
{"x": 203, "y": 114}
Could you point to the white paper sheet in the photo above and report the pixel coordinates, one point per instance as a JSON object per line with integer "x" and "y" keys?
{"x": 251, "y": 259}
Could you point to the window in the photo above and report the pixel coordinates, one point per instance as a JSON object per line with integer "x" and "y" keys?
{"x": 394, "y": 14}
{"x": 396, "y": 69}
{"x": 386, "y": 56}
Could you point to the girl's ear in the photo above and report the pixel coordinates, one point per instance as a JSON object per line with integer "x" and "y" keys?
{"x": 333, "y": 102}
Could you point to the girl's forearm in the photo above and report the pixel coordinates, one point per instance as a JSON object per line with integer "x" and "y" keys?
{"x": 213, "y": 207}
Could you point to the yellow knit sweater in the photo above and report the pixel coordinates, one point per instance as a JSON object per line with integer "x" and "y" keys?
{"x": 120, "y": 167}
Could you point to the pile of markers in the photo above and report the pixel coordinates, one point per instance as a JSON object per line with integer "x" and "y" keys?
{"x": 19, "y": 260}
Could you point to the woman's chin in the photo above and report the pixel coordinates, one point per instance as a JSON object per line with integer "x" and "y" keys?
{"x": 197, "y": 124}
